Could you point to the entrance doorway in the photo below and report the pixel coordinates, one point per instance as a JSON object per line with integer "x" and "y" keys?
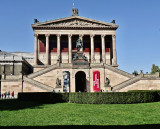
{"x": 81, "y": 82}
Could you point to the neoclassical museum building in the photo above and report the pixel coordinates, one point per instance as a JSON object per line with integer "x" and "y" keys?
{"x": 72, "y": 54}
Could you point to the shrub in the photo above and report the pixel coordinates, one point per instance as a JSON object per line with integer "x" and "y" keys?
{"x": 114, "y": 98}
{"x": 93, "y": 98}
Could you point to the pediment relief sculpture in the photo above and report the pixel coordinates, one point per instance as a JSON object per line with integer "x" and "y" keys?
{"x": 76, "y": 23}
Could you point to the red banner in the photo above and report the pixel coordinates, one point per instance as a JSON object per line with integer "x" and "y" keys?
{"x": 96, "y": 83}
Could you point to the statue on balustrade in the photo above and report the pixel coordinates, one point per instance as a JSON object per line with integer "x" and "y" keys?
{"x": 107, "y": 82}
{"x": 58, "y": 83}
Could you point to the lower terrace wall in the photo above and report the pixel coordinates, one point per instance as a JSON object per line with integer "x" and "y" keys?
{"x": 50, "y": 80}
{"x": 10, "y": 85}
{"x": 31, "y": 88}
{"x": 143, "y": 84}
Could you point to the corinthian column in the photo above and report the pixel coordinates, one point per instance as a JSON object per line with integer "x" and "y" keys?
{"x": 103, "y": 49}
{"x": 58, "y": 45}
{"x": 35, "y": 49}
{"x": 92, "y": 48}
{"x": 47, "y": 49}
{"x": 70, "y": 47}
{"x": 114, "y": 61}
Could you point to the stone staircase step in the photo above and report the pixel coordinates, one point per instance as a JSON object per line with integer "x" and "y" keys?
{"x": 38, "y": 84}
{"x": 116, "y": 70}
{"x": 126, "y": 83}
{"x": 43, "y": 71}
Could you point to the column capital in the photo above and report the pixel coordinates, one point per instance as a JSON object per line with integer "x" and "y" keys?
{"x": 47, "y": 35}
{"x": 58, "y": 35}
{"x": 92, "y": 35}
{"x": 81, "y": 35}
{"x": 69, "y": 35}
{"x": 114, "y": 36}
{"x": 103, "y": 36}
{"x": 35, "y": 35}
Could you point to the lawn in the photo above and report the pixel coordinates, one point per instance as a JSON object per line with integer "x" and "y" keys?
{"x": 20, "y": 113}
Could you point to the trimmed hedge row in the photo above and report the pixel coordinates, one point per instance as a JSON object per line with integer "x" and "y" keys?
{"x": 93, "y": 98}
{"x": 114, "y": 98}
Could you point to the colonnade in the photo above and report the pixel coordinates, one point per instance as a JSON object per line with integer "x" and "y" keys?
{"x": 114, "y": 60}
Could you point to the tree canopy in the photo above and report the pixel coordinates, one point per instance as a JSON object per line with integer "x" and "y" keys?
{"x": 155, "y": 69}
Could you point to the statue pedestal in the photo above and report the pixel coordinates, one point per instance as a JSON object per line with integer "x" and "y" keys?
{"x": 108, "y": 89}
{"x": 79, "y": 61}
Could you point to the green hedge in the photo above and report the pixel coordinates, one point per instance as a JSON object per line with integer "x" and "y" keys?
{"x": 114, "y": 98}
{"x": 47, "y": 97}
{"x": 93, "y": 98}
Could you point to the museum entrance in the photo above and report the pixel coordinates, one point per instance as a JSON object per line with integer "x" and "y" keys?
{"x": 81, "y": 82}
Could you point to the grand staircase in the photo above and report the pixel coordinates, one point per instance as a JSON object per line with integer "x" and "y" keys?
{"x": 37, "y": 84}
{"x": 30, "y": 78}
{"x": 116, "y": 70}
{"x": 126, "y": 83}
{"x": 43, "y": 71}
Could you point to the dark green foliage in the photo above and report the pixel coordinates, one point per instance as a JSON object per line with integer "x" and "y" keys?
{"x": 135, "y": 72}
{"x": 93, "y": 98}
{"x": 155, "y": 69}
{"x": 114, "y": 98}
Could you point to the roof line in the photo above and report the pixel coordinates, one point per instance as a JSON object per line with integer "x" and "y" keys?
{"x": 71, "y": 17}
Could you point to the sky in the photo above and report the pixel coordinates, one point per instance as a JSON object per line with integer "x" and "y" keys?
{"x": 138, "y": 35}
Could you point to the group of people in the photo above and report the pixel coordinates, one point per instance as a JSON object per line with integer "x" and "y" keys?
{"x": 7, "y": 95}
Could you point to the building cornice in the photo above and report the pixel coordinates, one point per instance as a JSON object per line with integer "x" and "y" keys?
{"x": 75, "y": 22}
{"x": 73, "y": 28}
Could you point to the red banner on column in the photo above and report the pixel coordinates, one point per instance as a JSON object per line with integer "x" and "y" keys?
{"x": 96, "y": 84}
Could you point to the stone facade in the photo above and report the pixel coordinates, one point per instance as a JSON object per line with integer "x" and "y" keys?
{"x": 144, "y": 84}
{"x": 54, "y": 50}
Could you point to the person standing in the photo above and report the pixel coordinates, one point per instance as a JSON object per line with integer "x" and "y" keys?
{"x": 53, "y": 91}
{"x": 5, "y": 94}
{"x": 12, "y": 94}
{"x": 2, "y": 95}
{"x": 8, "y": 94}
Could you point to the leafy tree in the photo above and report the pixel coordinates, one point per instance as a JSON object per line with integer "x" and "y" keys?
{"x": 155, "y": 69}
{"x": 135, "y": 72}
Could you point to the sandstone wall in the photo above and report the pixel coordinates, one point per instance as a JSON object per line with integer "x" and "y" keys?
{"x": 50, "y": 77}
{"x": 115, "y": 78}
{"x": 37, "y": 69}
{"x": 11, "y": 86}
{"x": 144, "y": 84}
{"x": 31, "y": 88}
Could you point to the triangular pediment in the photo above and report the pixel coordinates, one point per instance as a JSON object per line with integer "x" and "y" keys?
{"x": 74, "y": 21}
